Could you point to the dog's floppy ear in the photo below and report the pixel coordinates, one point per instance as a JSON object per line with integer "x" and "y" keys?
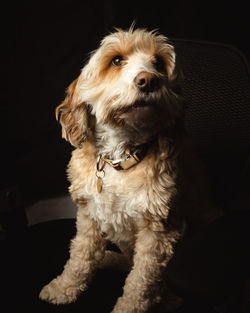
{"x": 73, "y": 116}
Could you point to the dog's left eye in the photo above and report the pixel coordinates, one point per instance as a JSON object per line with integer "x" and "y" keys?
{"x": 117, "y": 60}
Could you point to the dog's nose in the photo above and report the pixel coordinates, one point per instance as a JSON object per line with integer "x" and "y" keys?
{"x": 146, "y": 81}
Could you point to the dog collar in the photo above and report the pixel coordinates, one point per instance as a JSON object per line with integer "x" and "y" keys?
{"x": 131, "y": 160}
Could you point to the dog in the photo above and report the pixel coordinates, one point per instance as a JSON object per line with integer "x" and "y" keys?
{"x": 133, "y": 175}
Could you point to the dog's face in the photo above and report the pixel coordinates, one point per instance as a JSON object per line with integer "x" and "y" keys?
{"x": 127, "y": 83}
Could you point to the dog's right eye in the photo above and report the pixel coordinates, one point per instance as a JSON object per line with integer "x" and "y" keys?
{"x": 117, "y": 60}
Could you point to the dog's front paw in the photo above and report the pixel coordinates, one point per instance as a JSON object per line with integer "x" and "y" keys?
{"x": 57, "y": 293}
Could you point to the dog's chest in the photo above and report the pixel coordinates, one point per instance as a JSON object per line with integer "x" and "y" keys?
{"x": 123, "y": 199}
{"x": 121, "y": 203}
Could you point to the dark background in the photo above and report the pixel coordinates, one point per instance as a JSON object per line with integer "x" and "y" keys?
{"x": 46, "y": 44}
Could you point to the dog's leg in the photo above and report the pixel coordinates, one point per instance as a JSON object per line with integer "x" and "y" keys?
{"x": 86, "y": 251}
{"x": 143, "y": 285}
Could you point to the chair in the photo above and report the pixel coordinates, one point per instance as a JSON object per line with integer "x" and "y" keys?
{"x": 213, "y": 266}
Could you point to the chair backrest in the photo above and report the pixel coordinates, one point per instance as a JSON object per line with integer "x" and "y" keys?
{"x": 216, "y": 88}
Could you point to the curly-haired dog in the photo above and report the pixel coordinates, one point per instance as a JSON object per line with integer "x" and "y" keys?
{"x": 132, "y": 175}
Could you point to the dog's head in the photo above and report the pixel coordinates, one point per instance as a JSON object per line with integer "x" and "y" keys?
{"x": 129, "y": 82}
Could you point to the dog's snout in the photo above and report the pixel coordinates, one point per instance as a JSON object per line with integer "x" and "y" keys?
{"x": 146, "y": 81}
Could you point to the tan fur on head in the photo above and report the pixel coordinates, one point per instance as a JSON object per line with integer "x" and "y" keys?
{"x": 109, "y": 91}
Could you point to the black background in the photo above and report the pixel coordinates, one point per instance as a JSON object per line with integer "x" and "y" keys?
{"x": 44, "y": 44}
